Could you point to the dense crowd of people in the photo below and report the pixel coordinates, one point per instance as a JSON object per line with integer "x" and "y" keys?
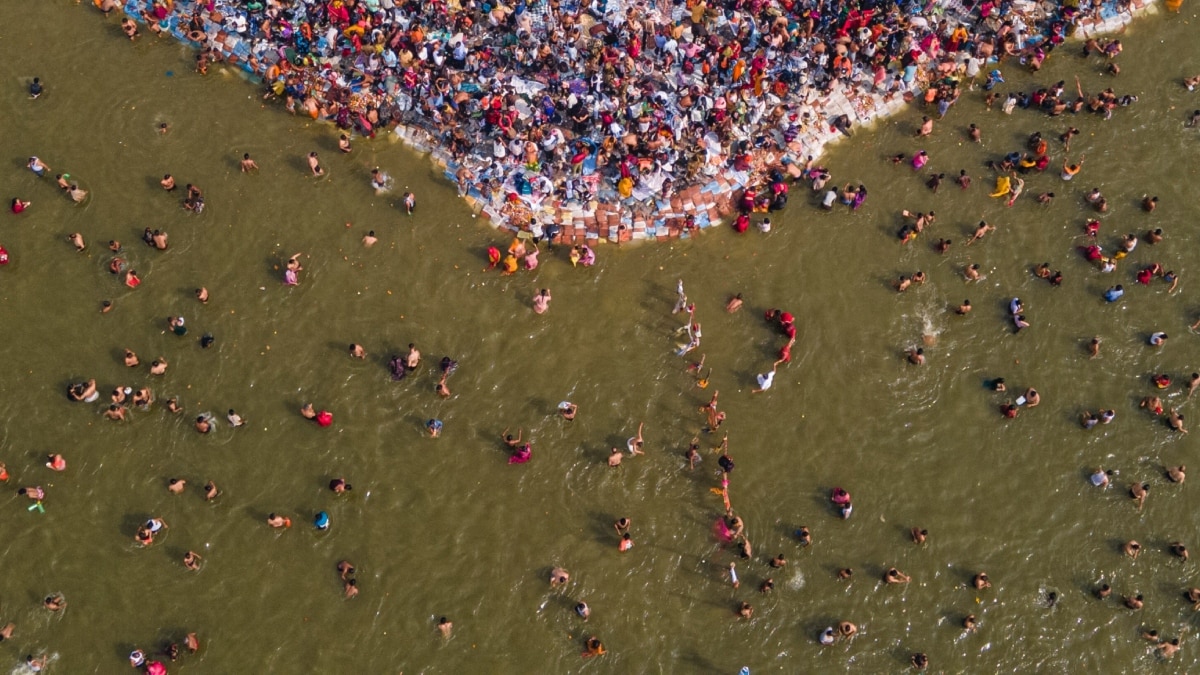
{"x": 566, "y": 101}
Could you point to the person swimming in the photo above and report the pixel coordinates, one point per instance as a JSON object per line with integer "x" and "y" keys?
{"x": 558, "y": 577}
{"x": 567, "y": 410}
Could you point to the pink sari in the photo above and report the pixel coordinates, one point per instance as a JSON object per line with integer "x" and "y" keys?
{"x": 521, "y": 456}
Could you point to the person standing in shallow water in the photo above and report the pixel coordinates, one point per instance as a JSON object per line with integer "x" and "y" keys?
{"x": 434, "y": 427}
{"x": 292, "y": 269}
{"x": 541, "y": 301}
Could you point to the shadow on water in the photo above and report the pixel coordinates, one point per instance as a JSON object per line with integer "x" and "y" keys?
{"x": 697, "y": 663}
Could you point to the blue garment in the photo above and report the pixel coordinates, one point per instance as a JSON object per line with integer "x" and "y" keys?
{"x": 1113, "y": 294}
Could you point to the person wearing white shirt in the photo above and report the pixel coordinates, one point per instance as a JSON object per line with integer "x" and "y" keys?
{"x": 765, "y": 380}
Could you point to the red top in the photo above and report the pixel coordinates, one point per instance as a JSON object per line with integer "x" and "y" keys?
{"x": 785, "y": 354}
